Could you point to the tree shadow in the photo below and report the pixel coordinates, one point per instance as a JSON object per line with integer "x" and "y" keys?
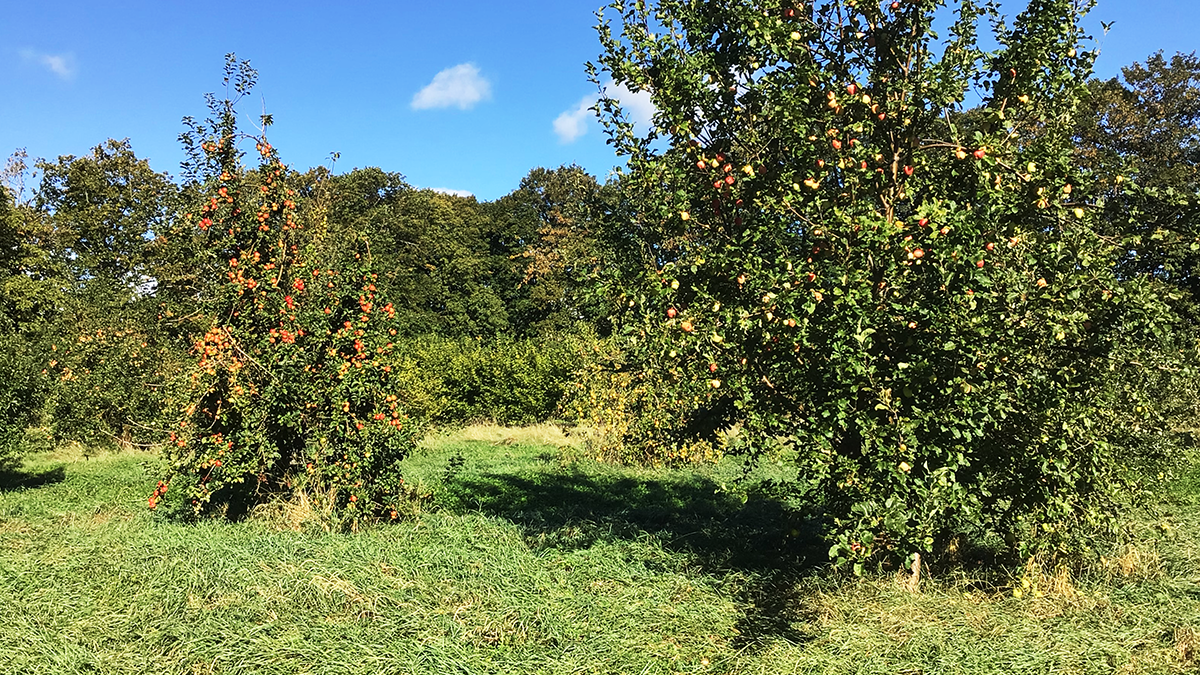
{"x": 11, "y": 481}
{"x": 763, "y": 542}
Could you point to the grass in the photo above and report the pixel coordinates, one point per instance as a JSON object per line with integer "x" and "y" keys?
{"x": 524, "y": 563}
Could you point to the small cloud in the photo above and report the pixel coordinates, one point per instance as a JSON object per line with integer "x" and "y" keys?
{"x": 460, "y": 86}
{"x": 637, "y": 106}
{"x": 572, "y": 124}
{"x": 62, "y": 65}
{"x": 454, "y": 193}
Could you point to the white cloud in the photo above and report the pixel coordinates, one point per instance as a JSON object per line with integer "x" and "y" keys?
{"x": 453, "y": 192}
{"x": 572, "y": 124}
{"x": 460, "y": 86}
{"x": 637, "y": 106}
{"x": 62, "y": 65}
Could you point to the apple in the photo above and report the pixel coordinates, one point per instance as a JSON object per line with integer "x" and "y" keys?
{"x": 979, "y": 264}
{"x": 712, "y": 367}
{"x": 852, "y": 89}
{"x": 686, "y": 326}
{"x": 960, "y": 153}
{"x": 918, "y": 253}
{"x": 837, "y": 145}
{"x": 990, "y": 246}
{"x": 980, "y": 153}
{"x": 789, "y": 12}
{"x": 923, "y": 222}
{"x": 671, "y": 313}
{"x": 908, "y": 171}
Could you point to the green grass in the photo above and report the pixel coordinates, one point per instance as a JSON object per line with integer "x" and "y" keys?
{"x": 526, "y": 564}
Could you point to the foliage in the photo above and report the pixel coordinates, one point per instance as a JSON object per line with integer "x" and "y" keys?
{"x": 454, "y": 381}
{"x": 104, "y": 207}
{"x": 434, "y": 262}
{"x": 289, "y": 389}
{"x": 917, "y": 298}
{"x": 548, "y": 227}
{"x": 1140, "y": 139}
{"x": 22, "y": 388}
{"x": 629, "y": 416}
{"x": 1145, "y": 128}
{"x": 115, "y": 381}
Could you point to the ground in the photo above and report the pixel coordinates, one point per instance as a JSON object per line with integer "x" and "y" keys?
{"x": 528, "y": 558}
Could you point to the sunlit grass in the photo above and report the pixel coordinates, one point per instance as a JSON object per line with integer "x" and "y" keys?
{"x": 525, "y": 563}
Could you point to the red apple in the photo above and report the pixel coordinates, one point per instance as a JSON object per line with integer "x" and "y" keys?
{"x": 712, "y": 367}
{"x": 980, "y": 153}
{"x": 671, "y": 313}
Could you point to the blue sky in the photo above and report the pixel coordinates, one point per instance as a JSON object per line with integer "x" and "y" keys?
{"x": 462, "y": 96}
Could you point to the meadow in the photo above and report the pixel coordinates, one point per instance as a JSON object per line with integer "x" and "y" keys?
{"x": 525, "y": 557}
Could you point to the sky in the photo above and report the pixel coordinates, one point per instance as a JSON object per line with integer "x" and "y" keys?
{"x": 466, "y": 96}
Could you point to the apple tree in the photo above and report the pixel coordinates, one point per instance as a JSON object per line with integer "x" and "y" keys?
{"x": 289, "y": 387}
{"x": 872, "y": 245}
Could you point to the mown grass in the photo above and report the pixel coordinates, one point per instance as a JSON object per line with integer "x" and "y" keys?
{"x": 524, "y": 563}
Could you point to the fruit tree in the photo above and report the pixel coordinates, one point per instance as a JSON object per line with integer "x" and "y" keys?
{"x": 871, "y": 244}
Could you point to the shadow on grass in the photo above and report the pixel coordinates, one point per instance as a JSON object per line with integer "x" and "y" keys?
{"x": 22, "y": 480}
{"x": 756, "y": 537}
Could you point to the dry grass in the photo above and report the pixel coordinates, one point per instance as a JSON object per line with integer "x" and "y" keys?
{"x": 545, "y": 434}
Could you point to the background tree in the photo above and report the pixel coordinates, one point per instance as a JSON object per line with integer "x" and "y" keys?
{"x": 549, "y": 228}
{"x": 1140, "y": 137}
{"x": 21, "y": 385}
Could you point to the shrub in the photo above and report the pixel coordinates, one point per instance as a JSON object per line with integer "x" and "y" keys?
{"x": 461, "y": 380}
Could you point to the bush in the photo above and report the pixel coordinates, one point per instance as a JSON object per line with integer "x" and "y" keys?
{"x": 455, "y": 381}
{"x": 629, "y": 416}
